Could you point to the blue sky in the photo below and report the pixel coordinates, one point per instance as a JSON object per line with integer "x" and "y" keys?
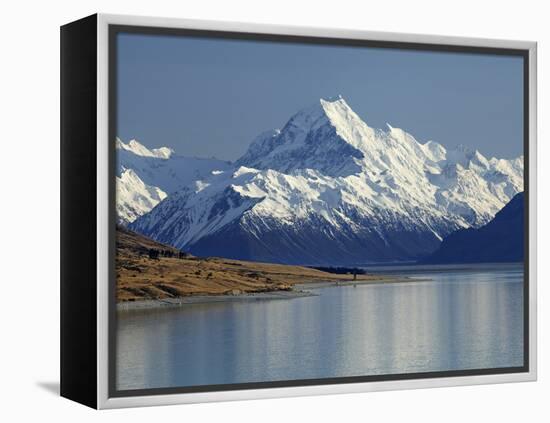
{"x": 211, "y": 97}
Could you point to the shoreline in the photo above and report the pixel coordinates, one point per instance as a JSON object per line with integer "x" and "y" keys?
{"x": 384, "y": 280}
{"x": 212, "y": 298}
{"x": 298, "y": 291}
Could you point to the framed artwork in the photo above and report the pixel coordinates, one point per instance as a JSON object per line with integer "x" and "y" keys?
{"x": 254, "y": 211}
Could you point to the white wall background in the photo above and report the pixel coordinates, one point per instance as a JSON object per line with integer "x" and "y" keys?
{"x": 29, "y": 193}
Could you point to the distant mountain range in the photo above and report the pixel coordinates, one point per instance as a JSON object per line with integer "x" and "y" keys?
{"x": 145, "y": 177}
{"x": 499, "y": 241}
{"x": 326, "y": 189}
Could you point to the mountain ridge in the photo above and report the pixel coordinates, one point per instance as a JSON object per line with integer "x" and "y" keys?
{"x": 328, "y": 179}
{"x": 144, "y": 176}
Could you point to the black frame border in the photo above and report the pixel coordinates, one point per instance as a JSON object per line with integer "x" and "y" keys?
{"x": 78, "y": 213}
{"x": 115, "y": 29}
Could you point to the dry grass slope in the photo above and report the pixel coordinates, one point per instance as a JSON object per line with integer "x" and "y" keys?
{"x": 142, "y": 278}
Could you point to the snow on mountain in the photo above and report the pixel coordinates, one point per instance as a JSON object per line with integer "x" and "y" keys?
{"x": 301, "y": 217}
{"x": 134, "y": 197}
{"x": 140, "y": 150}
{"x": 310, "y": 141}
{"x": 146, "y": 176}
{"x": 329, "y": 189}
{"x": 434, "y": 151}
{"x": 330, "y": 138}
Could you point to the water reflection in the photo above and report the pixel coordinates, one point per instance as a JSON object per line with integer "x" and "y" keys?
{"x": 458, "y": 320}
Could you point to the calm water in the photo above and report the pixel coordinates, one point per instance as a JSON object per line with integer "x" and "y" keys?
{"x": 468, "y": 318}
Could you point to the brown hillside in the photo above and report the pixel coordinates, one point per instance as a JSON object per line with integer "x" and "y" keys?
{"x": 140, "y": 277}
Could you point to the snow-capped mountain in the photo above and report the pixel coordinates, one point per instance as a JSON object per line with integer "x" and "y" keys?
{"x": 145, "y": 177}
{"x": 138, "y": 149}
{"x": 134, "y": 197}
{"x": 329, "y": 189}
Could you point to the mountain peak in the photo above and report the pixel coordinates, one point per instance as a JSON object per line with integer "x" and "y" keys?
{"x": 327, "y": 136}
{"x": 332, "y": 99}
{"x": 338, "y": 106}
{"x": 135, "y": 147}
{"x": 335, "y": 102}
{"x": 332, "y": 110}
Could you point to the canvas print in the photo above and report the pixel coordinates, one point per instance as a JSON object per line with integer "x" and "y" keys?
{"x": 307, "y": 212}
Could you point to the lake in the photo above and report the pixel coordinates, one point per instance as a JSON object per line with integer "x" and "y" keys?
{"x": 464, "y": 317}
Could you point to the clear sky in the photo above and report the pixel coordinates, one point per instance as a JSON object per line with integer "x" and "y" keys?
{"x": 211, "y": 97}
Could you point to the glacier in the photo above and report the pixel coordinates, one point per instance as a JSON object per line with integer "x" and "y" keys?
{"x": 324, "y": 189}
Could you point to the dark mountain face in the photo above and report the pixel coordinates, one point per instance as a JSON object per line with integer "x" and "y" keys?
{"x": 313, "y": 243}
{"x": 499, "y": 241}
